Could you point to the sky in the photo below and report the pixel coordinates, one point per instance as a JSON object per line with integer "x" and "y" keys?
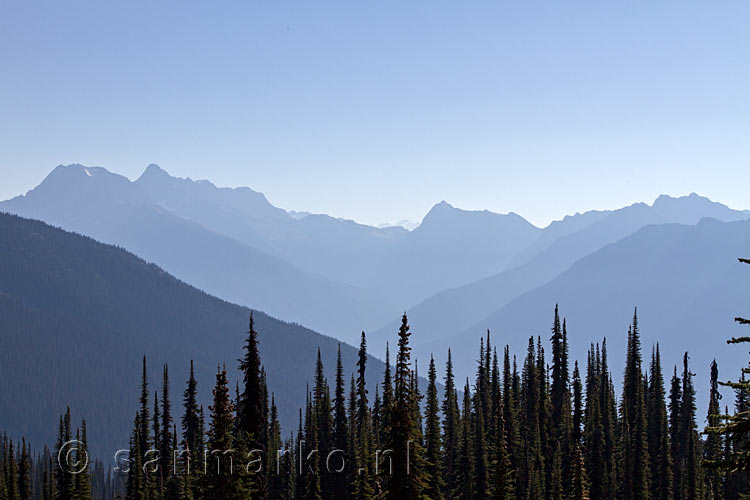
{"x": 375, "y": 111}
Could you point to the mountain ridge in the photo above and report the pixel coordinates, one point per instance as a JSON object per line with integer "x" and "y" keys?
{"x": 77, "y": 315}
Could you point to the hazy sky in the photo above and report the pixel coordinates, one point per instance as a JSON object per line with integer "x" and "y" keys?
{"x": 377, "y": 110}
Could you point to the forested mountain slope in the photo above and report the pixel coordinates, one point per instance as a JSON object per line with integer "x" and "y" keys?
{"x": 76, "y": 317}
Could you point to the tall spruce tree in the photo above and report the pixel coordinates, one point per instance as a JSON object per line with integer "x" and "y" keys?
{"x": 311, "y": 474}
{"x": 408, "y": 478}
{"x": 25, "y": 472}
{"x": 658, "y": 432}
{"x": 276, "y": 478}
{"x": 481, "y": 452}
{"x": 577, "y": 406}
{"x": 511, "y": 409}
{"x": 579, "y": 490}
{"x": 714, "y": 447}
{"x": 340, "y": 427}
{"x": 252, "y": 412}
{"x": 433, "y": 440}
{"x": 64, "y": 480}
{"x": 735, "y": 429}
{"x": 675, "y": 408}
{"x": 191, "y": 432}
{"x": 465, "y": 463}
{"x": 479, "y": 429}
{"x": 503, "y": 486}
{"x": 136, "y": 481}
{"x": 323, "y": 421}
{"x": 451, "y": 429}
{"x": 224, "y": 469}
{"x": 533, "y": 465}
{"x": 364, "y": 489}
{"x": 158, "y": 471}
{"x": 689, "y": 449}
{"x": 82, "y": 480}
{"x": 165, "y": 441}
{"x": 145, "y": 421}
{"x": 636, "y": 480}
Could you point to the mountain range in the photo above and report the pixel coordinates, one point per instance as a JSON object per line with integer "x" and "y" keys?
{"x": 684, "y": 280}
{"x": 456, "y": 274}
{"x": 561, "y": 245}
{"x": 78, "y": 315}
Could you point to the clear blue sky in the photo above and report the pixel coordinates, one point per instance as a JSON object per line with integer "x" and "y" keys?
{"x": 377, "y": 110}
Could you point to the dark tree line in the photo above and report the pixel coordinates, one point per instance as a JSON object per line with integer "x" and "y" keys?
{"x": 522, "y": 429}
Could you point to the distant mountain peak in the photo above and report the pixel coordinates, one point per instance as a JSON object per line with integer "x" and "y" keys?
{"x": 665, "y": 198}
{"x": 154, "y": 173}
{"x": 154, "y": 169}
{"x": 70, "y": 175}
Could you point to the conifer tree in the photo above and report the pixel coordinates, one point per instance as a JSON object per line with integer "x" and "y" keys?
{"x": 377, "y": 425}
{"x": 363, "y": 481}
{"x": 224, "y": 468}
{"x": 3, "y": 463}
{"x": 300, "y": 455}
{"x": 191, "y": 431}
{"x": 145, "y": 422}
{"x": 165, "y": 441}
{"x": 594, "y": 434}
{"x": 577, "y": 406}
{"x": 579, "y": 490}
{"x": 559, "y": 390}
{"x": 714, "y": 447}
{"x": 495, "y": 391}
{"x": 533, "y": 465}
{"x": 545, "y": 432}
{"x": 408, "y": 479}
{"x": 433, "y": 441}
{"x": 562, "y": 419}
{"x": 511, "y": 410}
{"x": 555, "y": 489}
{"x": 451, "y": 428}
{"x": 323, "y": 422}
{"x": 82, "y": 480}
{"x": 609, "y": 423}
{"x": 465, "y": 463}
{"x": 738, "y": 477}
{"x": 276, "y": 484}
{"x": 311, "y": 473}
{"x": 175, "y": 482}
{"x": 11, "y": 477}
{"x": 689, "y": 449}
{"x": 252, "y": 405}
{"x": 24, "y": 474}
{"x": 481, "y": 459}
{"x": 63, "y": 479}
{"x": 479, "y": 427}
{"x": 340, "y": 427}
{"x": 636, "y": 484}
{"x": 658, "y": 432}
{"x": 502, "y": 469}
{"x": 735, "y": 430}
{"x": 387, "y": 406}
{"x": 158, "y": 478}
{"x": 675, "y": 408}
{"x": 136, "y": 484}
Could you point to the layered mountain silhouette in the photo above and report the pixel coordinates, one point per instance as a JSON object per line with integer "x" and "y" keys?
{"x": 330, "y": 274}
{"x": 559, "y": 246}
{"x": 456, "y": 274}
{"x": 685, "y": 281}
{"x": 76, "y": 317}
{"x": 399, "y": 265}
{"x": 111, "y": 209}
